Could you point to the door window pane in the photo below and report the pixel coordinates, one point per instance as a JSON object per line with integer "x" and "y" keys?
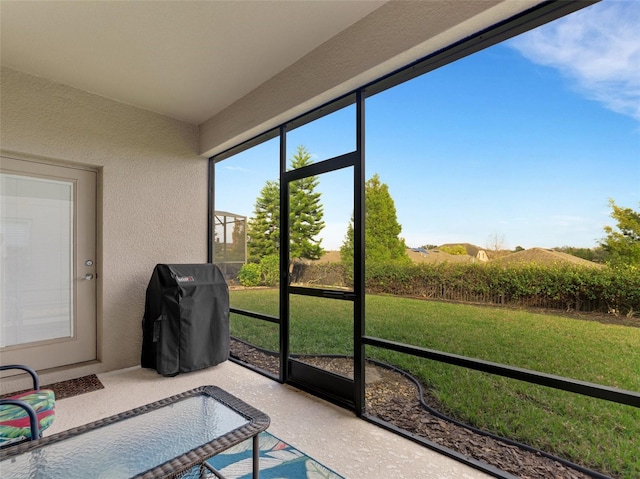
{"x": 321, "y": 231}
{"x": 37, "y": 259}
{"x": 320, "y": 326}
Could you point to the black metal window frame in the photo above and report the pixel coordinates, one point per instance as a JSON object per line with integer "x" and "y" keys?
{"x": 534, "y": 17}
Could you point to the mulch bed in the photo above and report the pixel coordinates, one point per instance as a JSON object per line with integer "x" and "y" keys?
{"x": 393, "y": 397}
{"x": 71, "y": 387}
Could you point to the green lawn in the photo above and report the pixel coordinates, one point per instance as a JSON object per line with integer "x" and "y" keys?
{"x": 597, "y": 434}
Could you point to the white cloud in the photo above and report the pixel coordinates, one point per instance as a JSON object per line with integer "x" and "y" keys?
{"x": 237, "y": 168}
{"x": 597, "y": 48}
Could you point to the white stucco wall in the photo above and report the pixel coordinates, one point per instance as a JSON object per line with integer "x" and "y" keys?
{"x": 153, "y": 187}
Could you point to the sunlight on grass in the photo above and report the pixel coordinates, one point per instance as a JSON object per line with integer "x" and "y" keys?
{"x": 586, "y": 350}
{"x": 598, "y": 434}
{"x": 259, "y": 333}
{"x": 321, "y": 326}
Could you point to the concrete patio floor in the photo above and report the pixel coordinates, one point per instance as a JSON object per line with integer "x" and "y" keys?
{"x": 332, "y": 435}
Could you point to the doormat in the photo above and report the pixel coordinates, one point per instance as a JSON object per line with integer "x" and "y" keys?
{"x": 71, "y": 387}
{"x": 278, "y": 459}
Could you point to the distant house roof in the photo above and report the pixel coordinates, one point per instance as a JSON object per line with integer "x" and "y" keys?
{"x": 545, "y": 257}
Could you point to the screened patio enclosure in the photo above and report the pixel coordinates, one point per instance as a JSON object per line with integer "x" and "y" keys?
{"x": 171, "y": 91}
{"x": 230, "y": 233}
{"x": 332, "y": 320}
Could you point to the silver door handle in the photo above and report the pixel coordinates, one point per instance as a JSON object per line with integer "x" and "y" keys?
{"x": 88, "y": 276}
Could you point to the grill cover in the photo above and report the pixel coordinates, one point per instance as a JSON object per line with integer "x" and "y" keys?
{"x": 186, "y": 319}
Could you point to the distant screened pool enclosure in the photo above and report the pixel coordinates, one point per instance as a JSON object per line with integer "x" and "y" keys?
{"x": 230, "y": 242}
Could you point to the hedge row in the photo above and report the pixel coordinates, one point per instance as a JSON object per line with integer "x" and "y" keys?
{"x": 566, "y": 287}
{"x": 608, "y": 290}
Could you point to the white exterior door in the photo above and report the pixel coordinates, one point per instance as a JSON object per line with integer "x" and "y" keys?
{"x": 48, "y": 270}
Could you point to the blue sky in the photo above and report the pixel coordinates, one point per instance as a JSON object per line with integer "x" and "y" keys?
{"x": 525, "y": 141}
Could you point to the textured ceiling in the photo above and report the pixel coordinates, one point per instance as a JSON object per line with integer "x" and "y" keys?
{"x": 184, "y": 59}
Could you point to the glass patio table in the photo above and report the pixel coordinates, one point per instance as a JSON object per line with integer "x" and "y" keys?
{"x": 169, "y": 438}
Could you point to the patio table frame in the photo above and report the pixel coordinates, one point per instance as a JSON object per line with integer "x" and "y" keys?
{"x": 257, "y": 421}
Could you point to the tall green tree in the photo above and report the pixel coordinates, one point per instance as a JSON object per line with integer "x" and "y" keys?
{"x": 305, "y": 216}
{"x": 623, "y": 240}
{"x": 264, "y": 227}
{"x": 305, "y": 211}
{"x": 382, "y": 230}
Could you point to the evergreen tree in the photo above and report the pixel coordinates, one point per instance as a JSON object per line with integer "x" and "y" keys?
{"x": 305, "y": 216}
{"x": 305, "y": 212}
{"x": 264, "y": 227}
{"x": 382, "y": 230}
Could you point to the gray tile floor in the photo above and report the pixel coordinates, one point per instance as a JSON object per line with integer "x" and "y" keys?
{"x": 332, "y": 435}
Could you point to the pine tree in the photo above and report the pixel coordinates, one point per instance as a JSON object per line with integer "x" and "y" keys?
{"x": 264, "y": 227}
{"x": 305, "y": 212}
{"x": 382, "y": 230}
{"x": 305, "y": 216}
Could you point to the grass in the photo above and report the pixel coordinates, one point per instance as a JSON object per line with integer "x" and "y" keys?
{"x": 597, "y": 434}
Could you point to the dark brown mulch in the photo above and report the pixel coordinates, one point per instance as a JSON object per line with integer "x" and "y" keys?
{"x": 71, "y": 387}
{"x": 393, "y": 397}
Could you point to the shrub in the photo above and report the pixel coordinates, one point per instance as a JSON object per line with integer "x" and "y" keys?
{"x": 270, "y": 269}
{"x": 559, "y": 286}
{"x": 264, "y": 273}
{"x": 250, "y": 275}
